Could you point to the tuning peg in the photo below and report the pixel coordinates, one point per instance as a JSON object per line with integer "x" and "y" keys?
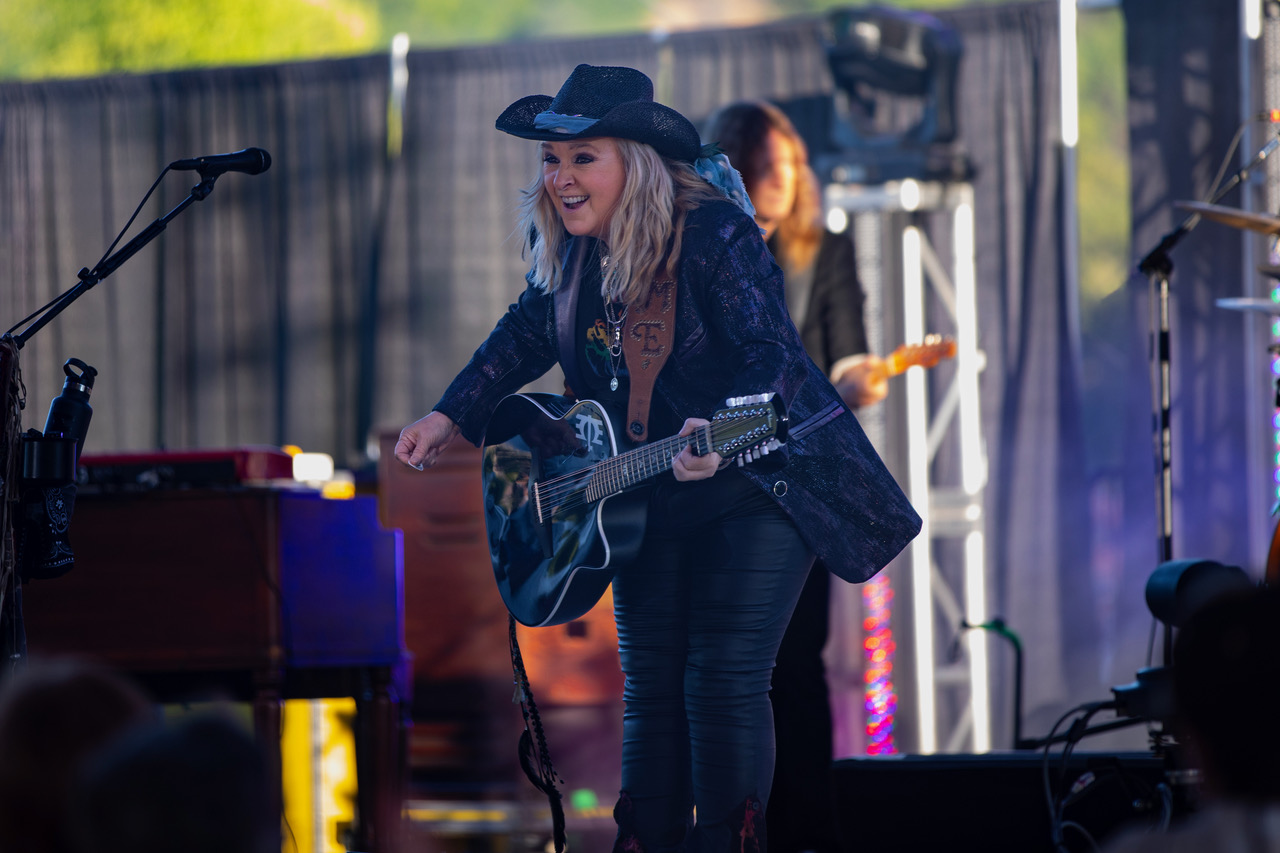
{"x": 750, "y": 400}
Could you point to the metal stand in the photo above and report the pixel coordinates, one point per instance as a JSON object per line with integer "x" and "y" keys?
{"x": 12, "y": 636}
{"x": 1157, "y": 266}
{"x": 12, "y": 632}
{"x": 954, "y": 510}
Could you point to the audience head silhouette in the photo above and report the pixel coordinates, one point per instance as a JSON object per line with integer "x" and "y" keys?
{"x": 198, "y": 786}
{"x": 1227, "y": 694}
{"x": 54, "y": 715}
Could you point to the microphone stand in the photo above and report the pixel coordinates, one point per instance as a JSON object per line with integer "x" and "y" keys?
{"x": 91, "y": 277}
{"x": 1157, "y": 266}
{"x": 12, "y": 631}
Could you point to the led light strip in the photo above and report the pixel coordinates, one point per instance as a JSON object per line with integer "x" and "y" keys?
{"x": 881, "y": 701}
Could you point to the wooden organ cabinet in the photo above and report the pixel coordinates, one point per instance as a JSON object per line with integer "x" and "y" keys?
{"x": 465, "y": 723}
{"x": 243, "y": 593}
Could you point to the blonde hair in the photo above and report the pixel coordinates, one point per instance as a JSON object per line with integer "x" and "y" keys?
{"x": 741, "y": 130}
{"x": 657, "y": 194}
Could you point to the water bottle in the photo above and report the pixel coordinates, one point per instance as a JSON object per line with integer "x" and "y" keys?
{"x": 48, "y": 478}
{"x": 69, "y": 413}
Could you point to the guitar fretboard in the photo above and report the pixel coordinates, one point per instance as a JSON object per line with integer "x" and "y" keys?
{"x": 625, "y": 470}
{"x": 730, "y": 436}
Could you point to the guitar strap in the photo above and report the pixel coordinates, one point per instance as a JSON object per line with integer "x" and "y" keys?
{"x": 646, "y": 344}
{"x": 565, "y": 299}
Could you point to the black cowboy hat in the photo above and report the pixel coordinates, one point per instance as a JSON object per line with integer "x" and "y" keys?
{"x": 600, "y": 100}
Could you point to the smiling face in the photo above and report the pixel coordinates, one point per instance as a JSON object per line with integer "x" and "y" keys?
{"x": 584, "y": 178}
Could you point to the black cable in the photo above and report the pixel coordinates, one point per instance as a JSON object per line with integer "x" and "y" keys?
{"x": 1226, "y": 160}
{"x": 1071, "y": 824}
{"x": 1151, "y": 642}
{"x": 1075, "y": 733}
{"x": 105, "y": 255}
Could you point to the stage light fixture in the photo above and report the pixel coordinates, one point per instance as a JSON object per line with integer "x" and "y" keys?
{"x": 1178, "y": 588}
{"x": 1174, "y": 591}
{"x": 881, "y": 56}
{"x": 902, "y": 53}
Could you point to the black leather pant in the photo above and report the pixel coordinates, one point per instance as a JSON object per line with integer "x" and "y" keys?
{"x": 700, "y": 615}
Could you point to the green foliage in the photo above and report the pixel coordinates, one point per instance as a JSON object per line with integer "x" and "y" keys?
{"x": 440, "y": 23}
{"x": 1103, "y": 183}
{"x": 796, "y": 7}
{"x": 60, "y": 38}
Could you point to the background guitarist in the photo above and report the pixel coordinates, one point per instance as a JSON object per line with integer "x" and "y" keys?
{"x": 627, "y": 189}
{"x": 825, "y": 300}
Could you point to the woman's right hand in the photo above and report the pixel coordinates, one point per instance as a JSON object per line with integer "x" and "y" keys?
{"x": 422, "y": 441}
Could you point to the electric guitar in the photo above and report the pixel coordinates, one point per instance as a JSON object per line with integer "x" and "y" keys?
{"x": 561, "y": 508}
{"x": 933, "y": 349}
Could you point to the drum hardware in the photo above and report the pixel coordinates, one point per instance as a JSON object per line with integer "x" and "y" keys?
{"x": 1257, "y": 305}
{"x": 1245, "y": 220}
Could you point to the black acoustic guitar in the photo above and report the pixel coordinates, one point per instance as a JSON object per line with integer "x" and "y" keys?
{"x": 562, "y": 508}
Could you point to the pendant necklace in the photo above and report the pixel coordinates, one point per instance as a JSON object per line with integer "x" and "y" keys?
{"x": 615, "y": 328}
{"x": 615, "y": 339}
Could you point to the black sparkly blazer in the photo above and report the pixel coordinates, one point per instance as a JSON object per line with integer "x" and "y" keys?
{"x": 733, "y": 337}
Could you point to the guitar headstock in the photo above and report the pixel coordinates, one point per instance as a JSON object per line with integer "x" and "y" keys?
{"x": 927, "y": 353}
{"x": 748, "y": 426}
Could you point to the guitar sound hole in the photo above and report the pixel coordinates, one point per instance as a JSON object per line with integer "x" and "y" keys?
{"x": 576, "y": 628}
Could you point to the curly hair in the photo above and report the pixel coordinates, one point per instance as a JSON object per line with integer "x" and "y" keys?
{"x": 657, "y": 194}
{"x": 741, "y": 130}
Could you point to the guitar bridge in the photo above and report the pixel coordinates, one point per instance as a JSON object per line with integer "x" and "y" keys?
{"x": 537, "y": 501}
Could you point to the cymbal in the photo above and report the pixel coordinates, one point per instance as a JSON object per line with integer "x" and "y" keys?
{"x": 1254, "y": 304}
{"x": 1261, "y": 222}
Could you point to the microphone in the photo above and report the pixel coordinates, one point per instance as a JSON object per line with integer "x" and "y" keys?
{"x": 251, "y": 161}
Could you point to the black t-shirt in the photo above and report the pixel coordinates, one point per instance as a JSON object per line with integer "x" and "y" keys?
{"x": 833, "y": 325}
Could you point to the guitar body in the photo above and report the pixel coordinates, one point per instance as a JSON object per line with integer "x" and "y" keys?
{"x": 561, "y": 506}
{"x": 553, "y": 572}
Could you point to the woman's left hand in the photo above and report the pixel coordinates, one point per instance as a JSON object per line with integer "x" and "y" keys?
{"x": 861, "y": 380}
{"x": 688, "y": 466}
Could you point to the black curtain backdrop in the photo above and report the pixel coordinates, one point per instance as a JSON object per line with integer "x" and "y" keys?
{"x": 1037, "y": 521}
{"x": 342, "y": 289}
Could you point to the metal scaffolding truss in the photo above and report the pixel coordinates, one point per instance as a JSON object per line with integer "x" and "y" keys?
{"x": 943, "y": 598}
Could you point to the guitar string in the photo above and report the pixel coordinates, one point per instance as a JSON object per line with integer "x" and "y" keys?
{"x": 645, "y": 450}
{"x": 650, "y": 459}
{"x": 608, "y": 469}
{"x": 647, "y": 456}
{"x": 611, "y": 475}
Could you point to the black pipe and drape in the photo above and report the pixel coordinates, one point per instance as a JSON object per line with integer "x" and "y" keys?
{"x": 262, "y": 317}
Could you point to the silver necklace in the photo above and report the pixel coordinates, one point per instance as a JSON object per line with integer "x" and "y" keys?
{"x": 615, "y": 327}
{"x": 615, "y": 339}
